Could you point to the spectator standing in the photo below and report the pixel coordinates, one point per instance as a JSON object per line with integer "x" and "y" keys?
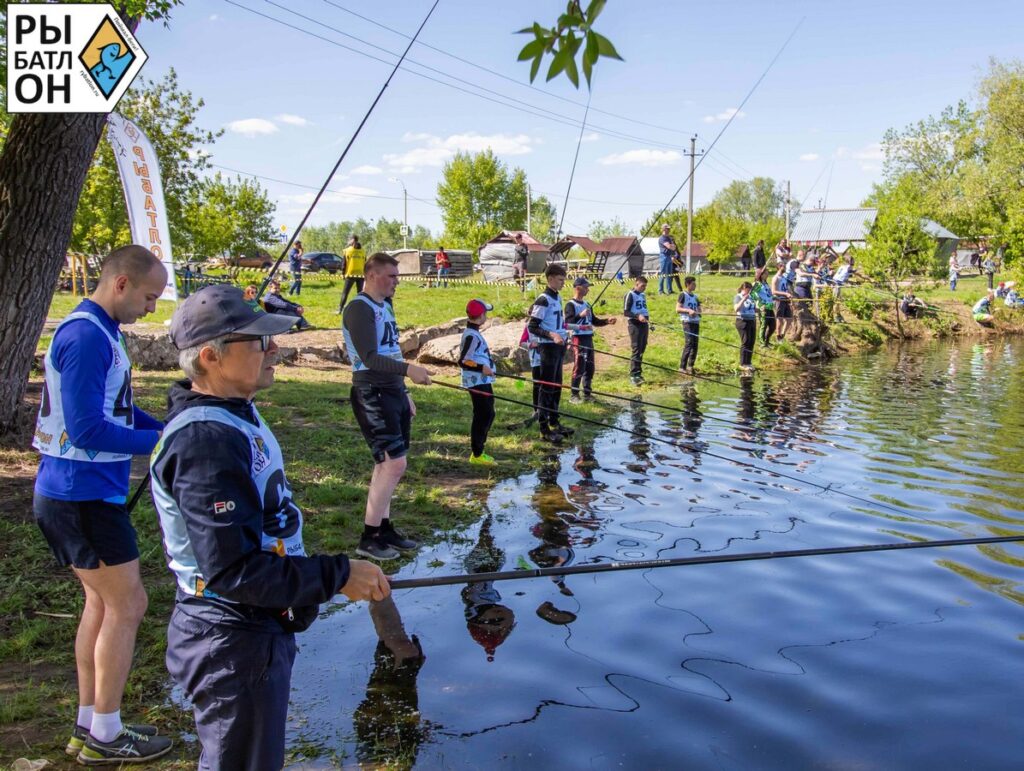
{"x": 442, "y": 265}
{"x": 782, "y": 252}
{"x": 87, "y": 432}
{"x": 295, "y": 264}
{"x": 233, "y": 537}
{"x": 989, "y": 266}
{"x": 355, "y": 266}
{"x": 668, "y": 253}
{"x": 954, "y": 272}
{"x": 520, "y": 256}
{"x": 759, "y": 258}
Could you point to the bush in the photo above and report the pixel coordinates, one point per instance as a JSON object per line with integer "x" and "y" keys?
{"x": 860, "y": 305}
{"x": 512, "y": 311}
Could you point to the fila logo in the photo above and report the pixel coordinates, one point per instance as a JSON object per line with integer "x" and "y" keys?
{"x": 220, "y": 507}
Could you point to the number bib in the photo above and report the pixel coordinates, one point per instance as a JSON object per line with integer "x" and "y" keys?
{"x": 386, "y": 334}
{"x": 51, "y": 436}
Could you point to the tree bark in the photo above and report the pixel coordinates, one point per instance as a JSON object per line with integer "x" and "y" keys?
{"x": 42, "y": 169}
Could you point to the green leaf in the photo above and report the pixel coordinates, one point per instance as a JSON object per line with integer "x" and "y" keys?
{"x": 531, "y": 50}
{"x": 605, "y": 47}
{"x": 535, "y": 67}
{"x": 594, "y": 10}
{"x": 559, "y": 62}
{"x": 588, "y": 66}
{"x": 571, "y": 71}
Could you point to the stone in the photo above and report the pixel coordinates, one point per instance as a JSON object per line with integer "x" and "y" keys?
{"x": 502, "y": 339}
{"x": 150, "y": 347}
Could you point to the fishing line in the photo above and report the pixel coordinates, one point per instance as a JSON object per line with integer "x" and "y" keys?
{"x": 687, "y": 448}
{"x": 739, "y": 347}
{"x": 706, "y": 559}
{"x": 675, "y": 372}
{"x": 359, "y": 128}
{"x": 707, "y": 152}
{"x": 138, "y": 492}
{"x": 572, "y": 174}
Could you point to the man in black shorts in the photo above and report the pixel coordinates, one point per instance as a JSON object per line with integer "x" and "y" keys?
{"x": 382, "y": 404}
{"x": 87, "y": 431}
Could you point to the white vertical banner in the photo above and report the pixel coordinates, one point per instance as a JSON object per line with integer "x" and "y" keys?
{"x": 143, "y": 193}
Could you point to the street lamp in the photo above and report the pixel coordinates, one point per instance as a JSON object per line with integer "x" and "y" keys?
{"x": 405, "y": 211}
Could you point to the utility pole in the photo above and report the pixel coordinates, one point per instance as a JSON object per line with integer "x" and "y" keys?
{"x": 789, "y": 213}
{"x": 405, "y": 212}
{"x": 689, "y": 216}
{"x": 528, "y": 220}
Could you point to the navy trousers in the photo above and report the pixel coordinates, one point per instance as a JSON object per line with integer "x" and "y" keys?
{"x": 238, "y": 681}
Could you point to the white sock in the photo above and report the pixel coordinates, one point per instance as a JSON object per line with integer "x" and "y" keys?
{"x": 106, "y": 726}
{"x": 85, "y": 717}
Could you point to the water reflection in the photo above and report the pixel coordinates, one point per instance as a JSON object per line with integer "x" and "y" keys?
{"x": 488, "y": 622}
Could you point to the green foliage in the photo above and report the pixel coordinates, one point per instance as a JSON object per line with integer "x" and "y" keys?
{"x": 600, "y": 230}
{"x": 226, "y": 216}
{"x": 513, "y": 310}
{"x": 859, "y": 304}
{"x": 375, "y": 236}
{"x": 479, "y": 197}
{"x": 573, "y": 30}
{"x": 543, "y": 220}
{"x": 897, "y": 248}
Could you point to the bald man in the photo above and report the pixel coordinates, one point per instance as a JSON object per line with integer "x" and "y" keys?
{"x": 87, "y": 432}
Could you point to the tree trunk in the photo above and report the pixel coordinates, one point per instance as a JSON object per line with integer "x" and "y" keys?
{"x": 42, "y": 169}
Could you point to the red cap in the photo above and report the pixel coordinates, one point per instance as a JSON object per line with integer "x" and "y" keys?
{"x": 477, "y": 308}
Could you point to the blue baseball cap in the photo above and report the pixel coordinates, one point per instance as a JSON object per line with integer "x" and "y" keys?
{"x": 221, "y": 309}
{"x": 581, "y": 281}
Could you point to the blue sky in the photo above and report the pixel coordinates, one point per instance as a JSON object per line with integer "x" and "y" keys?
{"x": 289, "y": 101}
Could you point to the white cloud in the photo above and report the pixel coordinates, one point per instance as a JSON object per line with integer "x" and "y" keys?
{"x": 641, "y": 158}
{"x": 292, "y": 120}
{"x": 214, "y": 17}
{"x": 809, "y": 157}
{"x": 367, "y": 170}
{"x": 842, "y": 152}
{"x": 593, "y": 136}
{"x": 872, "y": 152}
{"x": 724, "y": 115}
{"x": 869, "y": 166}
{"x": 436, "y": 151}
{"x": 251, "y": 127}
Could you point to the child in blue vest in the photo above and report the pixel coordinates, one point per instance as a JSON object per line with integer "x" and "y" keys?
{"x": 477, "y": 376}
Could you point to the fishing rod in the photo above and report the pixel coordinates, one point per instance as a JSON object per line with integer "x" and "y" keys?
{"x": 351, "y": 141}
{"x": 675, "y": 372}
{"x": 270, "y": 275}
{"x": 572, "y": 174}
{"x": 707, "y": 559}
{"x": 739, "y": 347}
{"x": 635, "y": 400}
{"x": 684, "y": 447}
{"x": 750, "y": 93}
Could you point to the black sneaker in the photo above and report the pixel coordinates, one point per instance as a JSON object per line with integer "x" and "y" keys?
{"x": 80, "y": 734}
{"x": 127, "y": 747}
{"x": 396, "y": 538}
{"x": 374, "y": 548}
{"x": 564, "y": 430}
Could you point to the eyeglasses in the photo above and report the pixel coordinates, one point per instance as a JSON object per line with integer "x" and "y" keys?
{"x": 264, "y": 340}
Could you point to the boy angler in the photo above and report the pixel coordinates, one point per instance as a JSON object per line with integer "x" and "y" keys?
{"x": 478, "y": 374}
{"x": 547, "y": 329}
{"x": 635, "y": 310}
{"x": 580, "y": 320}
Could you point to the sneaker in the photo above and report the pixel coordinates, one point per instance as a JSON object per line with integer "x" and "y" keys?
{"x": 127, "y": 747}
{"x": 80, "y": 734}
{"x": 575, "y": 400}
{"x": 636, "y": 381}
{"x": 396, "y": 538}
{"x": 375, "y": 549}
{"x": 564, "y": 430}
{"x": 588, "y": 397}
{"x": 483, "y": 459}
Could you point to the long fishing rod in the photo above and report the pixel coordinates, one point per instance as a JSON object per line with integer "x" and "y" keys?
{"x": 684, "y": 447}
{"x": 675, "y": 372}
{"x": 707, "y": 559}
{"x": 707, "y": 152}
{"x": 738, "y": 347}
{"x": 635, "y": 400}
{"x": 572, "y": 174}
{"x": 351, "y": 141}
{"x": 138, "y": 492}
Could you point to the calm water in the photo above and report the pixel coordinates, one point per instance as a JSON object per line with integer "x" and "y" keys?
{"x": 899, "y": 660}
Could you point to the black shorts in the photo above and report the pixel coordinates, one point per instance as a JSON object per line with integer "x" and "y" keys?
{"x": 84, "y": 533}
{"x": 384, "y": 416}
{"x": 783, "y": 310}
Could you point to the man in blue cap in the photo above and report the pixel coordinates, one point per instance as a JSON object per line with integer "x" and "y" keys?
{"x": 580, "y": 320}
{"x": 233, "y": 535}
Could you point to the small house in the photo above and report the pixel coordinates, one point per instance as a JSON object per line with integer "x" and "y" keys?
{"x": 498, "y": 255}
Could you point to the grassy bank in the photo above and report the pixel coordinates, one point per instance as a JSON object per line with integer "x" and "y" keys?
{"x": 328, "y": 466}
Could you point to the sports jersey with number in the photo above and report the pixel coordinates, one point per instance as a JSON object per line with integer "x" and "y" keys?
{"x": 51, "y": 436}
{"x": 282, "y": 520}
{"x": 474, "y": 349}
{"x": 692, "y": 302}
{"x": 546, "y": 316}
{"x": 635, "y": 305}
{"x": 386, "y": 334}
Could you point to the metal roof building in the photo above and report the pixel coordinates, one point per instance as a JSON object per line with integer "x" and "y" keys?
{"x": 838, "y": 226}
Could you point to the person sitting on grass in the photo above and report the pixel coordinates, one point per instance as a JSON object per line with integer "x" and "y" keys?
{"x": 1013, "y": 300}
{"x": 275, "y": 303}
{"x": 982, "y": 309}
{"x": 478, "y": 376}
{"x": 249, "y": 295}
{"x": 912, "y": 307}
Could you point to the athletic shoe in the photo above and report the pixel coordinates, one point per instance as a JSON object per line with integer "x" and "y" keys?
{"x": 127, "y": 747}
{"x": 396, "y": 538}
{"x": 637, "y": 381}
{"x": 483, "y": 459}
{"x": 564, "y": 430}
{"x": 588, "y": 397}
{"x": 375, "y": 549}
{"x": 80, "y": 734}
{"x": 575, "y": 400}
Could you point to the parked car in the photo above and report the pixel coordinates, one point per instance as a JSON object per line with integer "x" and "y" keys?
{"x": 328, "y": 261}
{"x": 258, "y": 260}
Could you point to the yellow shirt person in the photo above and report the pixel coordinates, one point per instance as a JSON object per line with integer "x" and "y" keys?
{"x": 355, "y": 261}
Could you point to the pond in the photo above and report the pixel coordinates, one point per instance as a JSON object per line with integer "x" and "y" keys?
{"x": 893, "y": 660}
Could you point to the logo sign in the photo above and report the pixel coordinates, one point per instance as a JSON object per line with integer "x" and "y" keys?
{"x": 68, "y": 57}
